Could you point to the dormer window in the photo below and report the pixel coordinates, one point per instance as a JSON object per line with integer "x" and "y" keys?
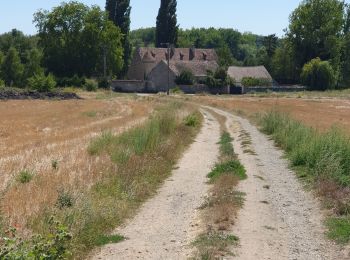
{"x": 204, "y": 56}
{"x": 182, "y": 56}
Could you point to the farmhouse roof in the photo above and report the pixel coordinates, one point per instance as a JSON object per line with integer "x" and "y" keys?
{"x": 238, "y": 73}
{"x": 198, "y": 68}
{"x": 178, "y": 54}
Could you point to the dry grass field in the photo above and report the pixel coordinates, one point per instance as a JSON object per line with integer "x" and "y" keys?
{"x": 321, "y": 113}
{"x": 47, "y": 141}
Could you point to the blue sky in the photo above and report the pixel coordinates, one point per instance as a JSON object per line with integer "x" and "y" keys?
{"x": 257, "y": 16}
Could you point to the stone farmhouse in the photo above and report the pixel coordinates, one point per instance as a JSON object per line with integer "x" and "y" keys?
{"x": 150, "y": 64}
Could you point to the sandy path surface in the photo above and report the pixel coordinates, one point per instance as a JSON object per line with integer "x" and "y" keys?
{"x": 167, "y": 224}
{"x": 279, "y": 220}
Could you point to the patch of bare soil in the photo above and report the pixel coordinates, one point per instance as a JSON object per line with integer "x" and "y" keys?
{"x": 279, "y": 220}
{"x": 167, "y": 224}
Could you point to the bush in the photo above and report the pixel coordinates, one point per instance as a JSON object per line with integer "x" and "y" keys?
{"x": 318, "y": 75}
{"x": 255, "y": 82}
{"x": 25, "y": 176}
{"x": 219, "y": 78}
{"x": 52, "y": 246}
{"x": 74, "y": 81}
{"x": 2, "y": 83}
{"x": 42, "y": 83}
{"x": 192, "y": 120}
{"x": 64, "y": 200}
{"x": 186, "y": 77}
{"x": 91, "y": 85}
{"x": 103, "y": 83}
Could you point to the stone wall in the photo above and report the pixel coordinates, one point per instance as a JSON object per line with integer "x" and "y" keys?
{"x": 133, "y": 86}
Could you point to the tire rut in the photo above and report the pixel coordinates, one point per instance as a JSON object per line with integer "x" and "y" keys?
{"x": 167, "y": 224}
{"x": 279, "y": 220}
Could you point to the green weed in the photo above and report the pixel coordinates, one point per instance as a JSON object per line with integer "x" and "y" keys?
{"x": 339, "y": 229}
{"x": 108, "y": 239}
{"x": 233, "y": 167}
{"x": 25, "y": 176}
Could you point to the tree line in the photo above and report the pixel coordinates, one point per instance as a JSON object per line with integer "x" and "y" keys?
{"x": 75, "y": 41}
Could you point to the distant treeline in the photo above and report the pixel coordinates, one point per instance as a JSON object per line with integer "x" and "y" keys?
{"x": 76, "y": 41}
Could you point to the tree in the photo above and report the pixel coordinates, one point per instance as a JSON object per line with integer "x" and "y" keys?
{"x": 119, "y": 13}
{"x": 186, "y": 77}
{"x": 33, "y": 63}
{"x": 75, "y": 38}
{"x": 282, "y": 64}
{"x": 270, "y": 44}
{"x": 12, "y": 68}
{"x": 318, "y": 75}
{"x": 314, "y": 31}
{"x": 167, "y": 28}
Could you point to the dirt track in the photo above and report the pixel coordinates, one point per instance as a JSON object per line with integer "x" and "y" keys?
{"x": 279, "y": 220}
{"x": 166, "y": 225}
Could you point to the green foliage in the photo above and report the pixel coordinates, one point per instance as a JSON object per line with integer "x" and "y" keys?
{"x": 219, "y": 78}
{"x": 104, "y": 83}
{"x": 314, "y": 30}
{"x": 52, "y": 246}
{"x": 54, "y": 164}
{"x": 65, "y": 199}
{"x": 230, "y": 167}
{"x": 176, "y": 90}
{"x": 74, "y": 81}
{"x": 186, "y": 77}
{"x": 192, "y": 120}
{"x": 73, "y": 31}
{"x": 91, "y": 85}
{"x": 211, "y": 243}
{"x": 111, "y": 239}
{"x": 253, "y": 82}
{"x": 226, "y": 147}
{"x": 12, "y": 68}
{"x": 119, "y": 14}
{"x": 42, "y": 83}
{"x": 25, "y": 176}
{"x": 318, "y": 75}
{"x": 322, "y": 155}
{"x": 167, "y": 27}
{"x": 2, "y": 83}
{"x": 339, "y": 229}
{"x": 33, "y": 63}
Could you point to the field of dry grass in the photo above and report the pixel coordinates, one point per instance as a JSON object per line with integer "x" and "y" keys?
{"x": 49, "y": 140}
{"x": 321, "y": 113}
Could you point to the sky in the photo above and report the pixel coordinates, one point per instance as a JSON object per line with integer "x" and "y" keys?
{"x": 257, "y": 16}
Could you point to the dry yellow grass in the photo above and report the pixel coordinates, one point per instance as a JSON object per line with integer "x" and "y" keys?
{"x": 36, "y": 135}
{"x": 319, "y": 113}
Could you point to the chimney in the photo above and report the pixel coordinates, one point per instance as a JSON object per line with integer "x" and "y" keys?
{"x": 172, "y": 52}
{"x": 192, "y": 53}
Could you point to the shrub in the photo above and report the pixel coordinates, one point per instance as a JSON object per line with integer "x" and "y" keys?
{"x": 176, "y": 90}
{"x": 192, "y": 120}
{"x": 103, "y": 83}
{"x": 255, "y": 82}
{"x": 42, "y": 83}
{"x": 52, "y": 246}
{"x": 65, "y": 199}
{"x": 74, "y": 81}
{"x": 2, "y": 83}
{"x": 318, "y": 75}
{"x": 230, "y": 167}
{"x": 25, "y": 176}
{"x": 91, "y": 85}
{"x": 219, "y": 78}
{"x": 186, "y": 77}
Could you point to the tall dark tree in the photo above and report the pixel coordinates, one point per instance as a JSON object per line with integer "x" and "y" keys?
{"x": 119, "y": 13}
{"x": 270, "y": 44}
{"x": 167, "y": 27}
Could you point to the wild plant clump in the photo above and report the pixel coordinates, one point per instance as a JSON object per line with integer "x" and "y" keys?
{"x": 51, "y": 246}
